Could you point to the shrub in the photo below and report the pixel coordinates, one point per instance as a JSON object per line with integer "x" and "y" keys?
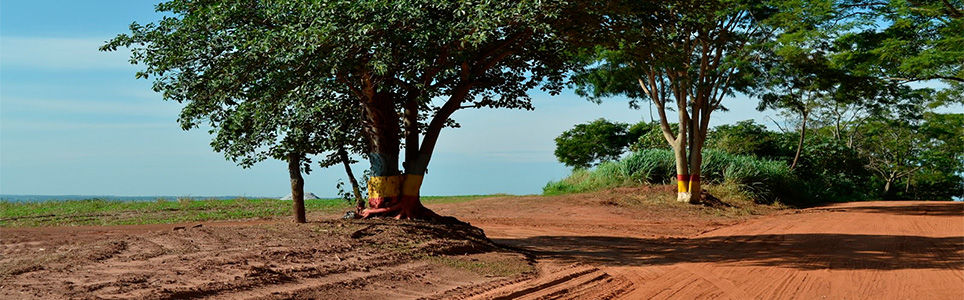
{"x": 764, "y": 181}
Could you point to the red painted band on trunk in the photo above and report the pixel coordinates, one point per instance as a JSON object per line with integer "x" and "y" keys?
{"x": 683, "y": 177}
{"x": 376, "y": 202}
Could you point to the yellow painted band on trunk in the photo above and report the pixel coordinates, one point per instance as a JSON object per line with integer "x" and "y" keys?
{"x": 384, "y": 186}
{"x": 683, "y": 186}
{"x": 411, "y": 185}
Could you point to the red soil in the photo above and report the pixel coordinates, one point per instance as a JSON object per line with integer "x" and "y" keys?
{"x": 577, "y": 246}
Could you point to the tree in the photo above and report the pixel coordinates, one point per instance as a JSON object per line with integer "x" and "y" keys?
{"x": 647, "y": 135}
{"x": 896, "y": 155}
{"x": 928, "y": 147}
{"x": 744, "y": 138}
{"x": 586, "y": 145}
{"x": 942, "y": 174}
{"x": 798, "y": 83}
{"x": 903, "y": 41}
{"x": 681, "y": 55}
{"x": 406, "y": 65}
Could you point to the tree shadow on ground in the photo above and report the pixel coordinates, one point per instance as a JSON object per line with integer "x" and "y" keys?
{"x": 799, "y": 251}
{"x": 928, "y": 209}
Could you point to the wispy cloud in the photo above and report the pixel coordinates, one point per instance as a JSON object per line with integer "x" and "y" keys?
{"x": 74, "y": 107}
{"x": 17, "y": 126}
{"x": 60, "y": 54}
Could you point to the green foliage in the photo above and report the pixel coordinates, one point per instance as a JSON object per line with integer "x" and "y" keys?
{"x": 588, "y": 144}
{"x": 917, "y": 159}
{"x": 648, "y": 135}
{"x": 765, "y": 181}
{"x": 745, "y": 138}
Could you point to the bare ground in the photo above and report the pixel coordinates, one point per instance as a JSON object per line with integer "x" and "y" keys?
{"x": 605, "y": 245}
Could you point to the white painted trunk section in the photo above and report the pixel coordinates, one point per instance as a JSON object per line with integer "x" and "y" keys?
{"x": 683, "y": 196}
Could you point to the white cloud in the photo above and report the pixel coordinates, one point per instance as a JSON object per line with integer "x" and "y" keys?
{"x": 29, "y": 126}
{"x": 74, "y": 107}
{"x": 60, "y": 54}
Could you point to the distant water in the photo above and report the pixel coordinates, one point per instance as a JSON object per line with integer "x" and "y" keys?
{"x": 43, "y": 198}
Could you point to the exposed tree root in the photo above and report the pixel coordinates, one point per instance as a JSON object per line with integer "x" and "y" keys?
{"x": 404, "y": 208}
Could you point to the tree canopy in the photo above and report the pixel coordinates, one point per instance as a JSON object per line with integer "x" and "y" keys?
{"x": 401, "y": 69}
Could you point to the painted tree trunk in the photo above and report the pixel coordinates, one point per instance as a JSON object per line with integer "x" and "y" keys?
{"x": 696, "y": 159}
{"x": 682, "y": 174}
{"x": 297, "y": 187}
{"x": 391, "y": 193}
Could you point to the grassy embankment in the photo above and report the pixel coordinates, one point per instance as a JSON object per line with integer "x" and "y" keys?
{"x": 104, "y": 212}
{"x": 732, "y": 178}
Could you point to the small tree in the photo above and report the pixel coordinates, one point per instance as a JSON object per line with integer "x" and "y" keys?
{"x": 684, "y": 56}
{"x": 744, "y": 138}
{"x": 588, "y": 144}
{"x": 647, "y": 135}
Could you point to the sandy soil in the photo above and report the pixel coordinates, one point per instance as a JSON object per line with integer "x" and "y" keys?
{"x": 588, "y": 246}
{"x": 868, "y": 250}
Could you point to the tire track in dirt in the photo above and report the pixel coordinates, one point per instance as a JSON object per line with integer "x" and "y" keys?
{"x": 866, "y": 250}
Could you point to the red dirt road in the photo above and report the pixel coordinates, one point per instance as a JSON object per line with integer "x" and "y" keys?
{"x": 868, "y": 250}
{"x": 607, "y": 245}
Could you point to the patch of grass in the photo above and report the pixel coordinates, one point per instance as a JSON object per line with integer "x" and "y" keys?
{"x": 160, "y": 211}
{"x": 105, "y": 212}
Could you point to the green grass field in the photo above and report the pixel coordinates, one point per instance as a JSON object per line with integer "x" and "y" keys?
{"x": 104, "y": 212}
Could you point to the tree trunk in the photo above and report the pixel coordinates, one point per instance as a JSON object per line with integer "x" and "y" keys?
{"x": 888, "y": 186}
{"x": 682, "y": 173}
{"x": 297, "y": 187}
{"x": 359, "y": 201}
{"x": 390, "y": 193}
{"x": 696, "y": 159}
{"x": 803, "y": 134}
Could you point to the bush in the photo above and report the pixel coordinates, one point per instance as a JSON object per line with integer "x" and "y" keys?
{"x": 764, "y": 181}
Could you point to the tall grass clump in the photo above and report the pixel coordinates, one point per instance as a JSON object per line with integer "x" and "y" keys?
{"x": 649, "y": 166}
{"x": 764, "y": 181}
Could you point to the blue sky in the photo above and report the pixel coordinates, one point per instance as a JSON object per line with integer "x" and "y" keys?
{"x": 75, "y": 121}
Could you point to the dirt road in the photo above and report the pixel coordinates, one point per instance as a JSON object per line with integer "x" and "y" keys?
{"x": 868, "y": 250}
{"x": 607, "y": 245}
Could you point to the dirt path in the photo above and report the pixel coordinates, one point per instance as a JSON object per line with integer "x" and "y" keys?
{"x": 869, "y": 250}
{"x": 607, "y": 245}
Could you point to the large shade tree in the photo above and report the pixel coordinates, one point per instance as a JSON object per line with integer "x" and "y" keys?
{"x": 407, "y": 66}
{"x": 683, "y": 56}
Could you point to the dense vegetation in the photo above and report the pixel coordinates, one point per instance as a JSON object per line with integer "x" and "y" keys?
{"x": 830, "y": 168}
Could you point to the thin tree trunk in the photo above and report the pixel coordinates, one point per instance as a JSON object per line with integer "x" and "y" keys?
{"x": 696, "y": 159}
{"x": 297, "y": 187}
{"x": 359, "y": 201}
{"x": 803, "y": 134}
{"x": 888, "y": 187}
{"x": 682, "y": 173}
